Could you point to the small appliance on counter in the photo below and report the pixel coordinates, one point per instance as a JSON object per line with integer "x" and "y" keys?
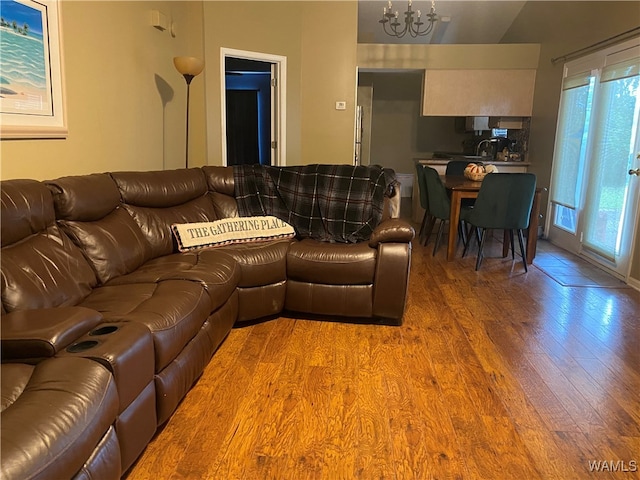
{"x": 496, "y": 148}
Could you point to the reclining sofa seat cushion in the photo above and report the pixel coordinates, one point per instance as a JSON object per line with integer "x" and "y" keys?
{"x": 184, "y": 329}
{"x": 263, "y": 276}
{"x": 55, "y": 415}
{"x": 332, "y": 264}
{"x": 41, "y": 267}
{"x": 174, "y": 311}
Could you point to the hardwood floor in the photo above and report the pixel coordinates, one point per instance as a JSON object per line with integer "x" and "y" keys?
{"x": 495, "y": 374}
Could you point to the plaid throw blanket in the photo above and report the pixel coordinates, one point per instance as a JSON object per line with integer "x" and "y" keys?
{"x": 335, "y": 203}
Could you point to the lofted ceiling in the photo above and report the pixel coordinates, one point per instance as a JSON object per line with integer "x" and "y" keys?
{"x": 461, "y": 21}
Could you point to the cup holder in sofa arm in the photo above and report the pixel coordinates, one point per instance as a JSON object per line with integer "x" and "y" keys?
{"x": 106, "y": 330}
{"x": 81, "y": 346}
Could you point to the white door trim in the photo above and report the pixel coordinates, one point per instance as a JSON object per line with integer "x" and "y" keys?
{"x": 280, "y": 63}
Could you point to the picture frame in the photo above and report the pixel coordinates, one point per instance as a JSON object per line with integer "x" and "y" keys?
{"x": 32, "y": 97}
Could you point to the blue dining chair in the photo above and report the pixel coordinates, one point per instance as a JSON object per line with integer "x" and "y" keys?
{"x": 504, "y": 202}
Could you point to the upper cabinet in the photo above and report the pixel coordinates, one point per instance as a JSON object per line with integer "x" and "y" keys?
{"x": 476, "y": 92}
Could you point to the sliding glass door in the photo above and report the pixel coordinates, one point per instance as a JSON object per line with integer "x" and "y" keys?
{"x": 594, "y": 198}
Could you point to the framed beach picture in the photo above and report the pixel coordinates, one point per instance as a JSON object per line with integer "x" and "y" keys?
{"x": 31, "y": 73}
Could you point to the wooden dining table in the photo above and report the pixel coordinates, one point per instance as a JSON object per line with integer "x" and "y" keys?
{"x": 459, "y": 187}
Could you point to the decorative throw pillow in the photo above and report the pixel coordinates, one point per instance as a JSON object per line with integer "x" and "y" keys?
{"x": 191, "y": 236}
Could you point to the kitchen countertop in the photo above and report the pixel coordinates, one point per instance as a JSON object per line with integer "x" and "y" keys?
{"x": 471, "y": 159}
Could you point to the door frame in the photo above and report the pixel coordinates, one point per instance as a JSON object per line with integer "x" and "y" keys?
{"x": 279, "y": 91}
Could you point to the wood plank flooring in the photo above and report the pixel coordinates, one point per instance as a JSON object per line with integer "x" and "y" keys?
{"x": 495, "y": 374}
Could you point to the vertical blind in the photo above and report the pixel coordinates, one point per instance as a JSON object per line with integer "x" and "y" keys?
{"x": 571, "y": 138}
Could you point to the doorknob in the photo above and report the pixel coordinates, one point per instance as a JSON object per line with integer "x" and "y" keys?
{"x": 635, "y": 172}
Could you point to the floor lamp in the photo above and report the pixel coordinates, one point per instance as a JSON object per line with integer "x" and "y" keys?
{"x": 189, "y": 67}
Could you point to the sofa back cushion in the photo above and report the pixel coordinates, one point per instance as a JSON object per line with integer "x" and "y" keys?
{"x": 221, "y": 190}
{"x": 84, "y": 198}
{"x": 156, "y": 200}
{"x": 114, "y": 244}
{"x": 162, "y": 188}
{"x": 41, "y": 267}
{"x": 89, "y": 211}
{"x": 27, "y": 209}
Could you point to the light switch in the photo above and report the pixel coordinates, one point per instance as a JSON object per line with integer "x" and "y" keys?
{"x": 341, "y": 105}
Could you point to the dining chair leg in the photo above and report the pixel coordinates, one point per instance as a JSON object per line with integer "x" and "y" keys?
{"x": 425, "y": 219}
{"x": 462, "y": 233}
{"x": 480, "y": 248}
{"x": 466, "y": 247}
{"x": 469, "y": 238}
{"x": 523, "y": 252}
{"x": 427, "y": 233}
{"x": 513, "y": 250}
{"x": 439, "y": 237}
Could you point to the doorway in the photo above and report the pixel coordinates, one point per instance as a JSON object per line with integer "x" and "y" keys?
{"x": 248, "y": 100}
{"x": 594, "y": 196}
{"x": 253, "y": 108}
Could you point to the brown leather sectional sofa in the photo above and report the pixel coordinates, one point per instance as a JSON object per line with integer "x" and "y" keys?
{"x": 105, "y": 326}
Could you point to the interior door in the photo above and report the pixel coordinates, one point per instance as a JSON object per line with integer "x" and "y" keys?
{"x": 594, "y": 199}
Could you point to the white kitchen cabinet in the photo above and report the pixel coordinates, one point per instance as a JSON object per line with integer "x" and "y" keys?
{"x": 494, "y": 92}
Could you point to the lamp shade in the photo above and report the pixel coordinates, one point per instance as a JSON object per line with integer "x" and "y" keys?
{"x": 188, "y": 65}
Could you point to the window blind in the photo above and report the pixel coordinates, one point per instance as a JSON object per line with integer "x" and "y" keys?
{"x": 571, "y": 141}
{"x": 578, "y": 80}
{"x": 625, "y": 69}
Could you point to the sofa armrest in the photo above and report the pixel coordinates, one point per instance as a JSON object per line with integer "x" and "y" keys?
{"x": 391, "y": 282}
{"x": 392, "y": 230}
{"x": 36, "y": 334}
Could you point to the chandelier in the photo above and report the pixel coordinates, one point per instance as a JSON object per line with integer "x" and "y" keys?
{"x": 412, "y": 25}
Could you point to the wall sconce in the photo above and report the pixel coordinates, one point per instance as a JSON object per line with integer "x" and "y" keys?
{"x": 189, "y": 67}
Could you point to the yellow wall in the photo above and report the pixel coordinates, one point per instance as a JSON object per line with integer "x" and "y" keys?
{"x": 320, "y": 70}
{"x": 257, "y": 34}
{"x": 329, "y": 40}
{"x": 125, "y": 102}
